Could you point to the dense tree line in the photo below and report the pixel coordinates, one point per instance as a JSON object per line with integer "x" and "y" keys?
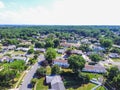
{"x": 26, "y": 32}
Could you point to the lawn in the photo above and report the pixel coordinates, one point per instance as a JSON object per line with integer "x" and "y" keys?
{"x": 88, "y": 86}
{"x": 92, "y": 75}
{"x": 48, "y": 70}
{"x": 18, "y": 52}
{"x": 58, "y": 55}
{"x": 40, "y": 85}
{"x": 101, "y": 88}
{"x": 116, "y": 59}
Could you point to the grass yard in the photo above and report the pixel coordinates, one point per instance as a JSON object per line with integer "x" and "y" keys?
{"x": 40, "y": 85}
{"x": 116, "y": 59}
{"x": 66, "y": 70}
{"x": 58, "y": 55}
{"x": 48, "y": 68}
{"x": 88, "y": 86}
{"x": 101, "y": 88}
{"x": 1, "y": 55}
{"x": 18, "y": 52}
{"x": 92, "y": 75}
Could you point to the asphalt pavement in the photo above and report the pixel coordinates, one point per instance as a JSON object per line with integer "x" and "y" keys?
{"x": 25, "y": 85}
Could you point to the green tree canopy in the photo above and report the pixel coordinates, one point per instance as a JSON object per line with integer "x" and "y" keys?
{"x": 107, "y": 43}
{"x": 49, "y": 43}
{"x": 56, "y": 43}
{"x": 76, "y": 62}
{"x": 39, "y": 45}
{"x": 55, "y": 69}
{"x": 41, "y": 71}
{"x": 30, "y": 51}
{"x": 50, "y": 55}
{"x": 95, "y": 57}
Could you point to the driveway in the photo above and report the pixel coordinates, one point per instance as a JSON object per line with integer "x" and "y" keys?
{"x": 26, "y": 81}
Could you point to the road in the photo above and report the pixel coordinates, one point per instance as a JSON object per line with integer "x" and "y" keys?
{"x": 26, "y": 81}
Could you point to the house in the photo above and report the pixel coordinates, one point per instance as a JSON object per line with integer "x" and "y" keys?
{"x": 61, "y": 51}
{"x": 20, "y": 58}
{"x": 73, "y": 41}
{"x": 11, "y": 47}
{"x": 114, "y": 55}
{"x": 55, "y": 82}
{"x": 22, "y": 49}
{"x": 98, "y": 48}
{"x": 94, "y": 68}
{"x": 6, "y": 58}
{"x": 40, "y": 49}
{"x": 78, "y": 52}
{"x": 85, "y": 41}
{"x": 69, "y": 45}
{"x": 61, "y": 63}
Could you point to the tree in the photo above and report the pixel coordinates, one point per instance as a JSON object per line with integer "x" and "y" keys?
{"x": 55, "y": 69}
{"x": 41, "y": 71}
{"x": 113, "y": 77}
{"x": 35, "y": 56}
{"x": 85, "y": 78}
{"x": 76, "y": 62}
{"x": 49, "y": 43}
{"x": 116, "y": 81}
{"x": 68, "y": 52}
{"x": 50, "y": 55}
{"x": 33, "y": 81}
{"x": 113, "y": 72}
{"x": 44, "y": 63}
{"x": 107, "y": 43}
{"x": 84, "y": 47}
{"x": 39, "y": 45}
{"x": 30, "y": 51}
{"x": 32, "y": 61}
{"x": 95, "y": 57}
{"x": 56, "y": 43}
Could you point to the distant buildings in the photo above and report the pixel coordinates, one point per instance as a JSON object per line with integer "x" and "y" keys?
{"x": 42, "y": 50}
{"x": 61, "y": 51}
{"x": 22, "y": 49}
{"x": 69, "y": 45}
{"x": 78, "y": 52}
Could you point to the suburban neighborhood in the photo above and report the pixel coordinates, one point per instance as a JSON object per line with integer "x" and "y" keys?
{"x": 59, "y": 60}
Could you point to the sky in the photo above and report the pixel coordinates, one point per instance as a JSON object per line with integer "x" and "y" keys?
{"x": 60, "y": 12}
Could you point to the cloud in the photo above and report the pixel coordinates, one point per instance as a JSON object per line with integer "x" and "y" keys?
{"x": 66, "y": 12}
{"x": 2, "y": 4}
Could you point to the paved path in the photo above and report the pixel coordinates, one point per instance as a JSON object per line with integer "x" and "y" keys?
{"x": 26, "y": 81}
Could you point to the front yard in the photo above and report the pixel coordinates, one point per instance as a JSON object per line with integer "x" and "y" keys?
{"x": 116, "y": 60}
{"x": 40, "y": 84}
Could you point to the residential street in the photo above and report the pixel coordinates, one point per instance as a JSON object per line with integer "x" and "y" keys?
{"x": 26, "y": 81}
